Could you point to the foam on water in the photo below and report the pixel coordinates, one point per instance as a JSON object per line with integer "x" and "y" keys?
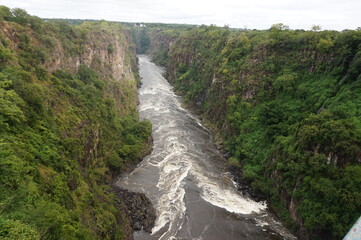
{"x": 181, "y": 148}
{"x": 178, "y": 160}
{"x": 170, "y": 205}
{"x": 224, "y": 196}
{"x": 159, "y": 108}
{"x": 261, "y": 223}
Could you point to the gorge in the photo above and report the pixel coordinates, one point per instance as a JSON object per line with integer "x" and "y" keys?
{"x": 286, "y": 105}
{"x": 283, "y": 108}
{"x": 186, "y": 177}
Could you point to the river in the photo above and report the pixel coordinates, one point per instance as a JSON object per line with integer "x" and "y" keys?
{"x": 185, "y": 176}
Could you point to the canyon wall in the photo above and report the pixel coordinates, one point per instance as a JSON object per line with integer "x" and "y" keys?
{"x": 286, "y": 104}
{"x": 68, "y": 126}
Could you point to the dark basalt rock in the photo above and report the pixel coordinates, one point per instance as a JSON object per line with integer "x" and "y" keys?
{"x": 139, "y": 209}
{"x": 245, "y": 186}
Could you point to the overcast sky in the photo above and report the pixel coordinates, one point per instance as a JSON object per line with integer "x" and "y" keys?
{"x": 260, "y": 14}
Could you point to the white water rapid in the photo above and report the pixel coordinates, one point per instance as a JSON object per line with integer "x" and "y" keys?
{"x": 185, "y": 176}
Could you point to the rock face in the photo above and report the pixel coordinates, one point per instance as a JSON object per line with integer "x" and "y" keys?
{"x": 102, "y": 50}
{"x": 102, "y": 47}
{"x": 105, "y": 48}
{"x": 84, "y": 82}
{"x": 138, "y": 207}
{"x": 244, "y": 185}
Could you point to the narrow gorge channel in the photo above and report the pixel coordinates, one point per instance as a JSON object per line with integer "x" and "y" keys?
{"x": 185, "y": 176}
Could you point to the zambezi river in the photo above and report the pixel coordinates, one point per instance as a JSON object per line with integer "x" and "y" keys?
{"x": 185, "y": 176}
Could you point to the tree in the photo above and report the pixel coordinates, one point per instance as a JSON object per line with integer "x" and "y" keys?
{"x": 14, "y": 229}
{"x": 20, "y": 15}
{"x": 280, "y": 26}
{"x": 316, "y": 28}
{"x": 324, "y": 44}
{"x": 5, "y": 13}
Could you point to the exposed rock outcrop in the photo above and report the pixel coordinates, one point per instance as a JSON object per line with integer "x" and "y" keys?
{"x": 138, "y": 207}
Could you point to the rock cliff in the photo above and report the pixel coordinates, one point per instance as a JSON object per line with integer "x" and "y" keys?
{"x": 285, "y": 104}
{"x": 68, "y": 126}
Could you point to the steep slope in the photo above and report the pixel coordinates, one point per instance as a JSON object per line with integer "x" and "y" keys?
{"x": 68, "y": 125}
{"x": 156, "y": 39}
{"x": 287, "y": 104}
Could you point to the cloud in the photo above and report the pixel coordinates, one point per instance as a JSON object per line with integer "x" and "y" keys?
{"x": 261, "y": 14}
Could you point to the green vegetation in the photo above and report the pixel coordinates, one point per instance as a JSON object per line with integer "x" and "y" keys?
{"x": 155, "y": 38}
{"x": 65, "y": 133}
{"x": 288, "y": 105}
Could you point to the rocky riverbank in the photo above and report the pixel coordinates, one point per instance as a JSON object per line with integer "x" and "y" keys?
{"x": 244, "y": 185}
{"x": 137, "y": 206}
{"x": 139, "y": 209}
